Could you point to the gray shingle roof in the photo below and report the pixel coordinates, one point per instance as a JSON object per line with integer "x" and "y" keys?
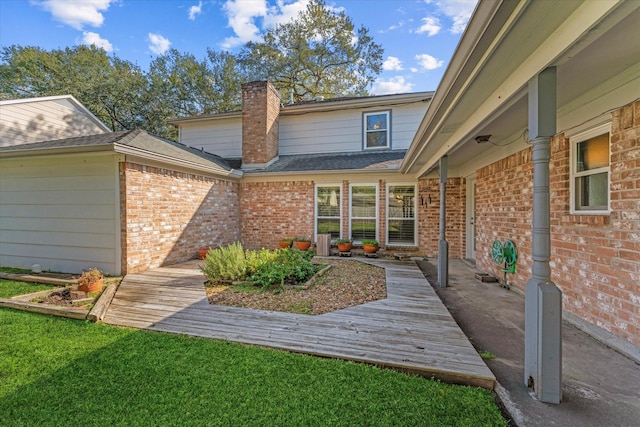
{"x": 374, "y": 160}
{"x": 137, "y": 139}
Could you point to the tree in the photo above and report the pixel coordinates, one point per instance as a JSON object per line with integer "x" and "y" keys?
{"x": 316, "y": 54}
{"x": 109, "y": 87}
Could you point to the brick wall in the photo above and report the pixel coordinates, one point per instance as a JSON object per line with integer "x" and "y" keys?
{"x": 270, "y": 211}
{"x": 167, "y": 215}
{"x": 429, "y": 216}
{"x": 260, "y": 123}
{"x": 595, "y": 259}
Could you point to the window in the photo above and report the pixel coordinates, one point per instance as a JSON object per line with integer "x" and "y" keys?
{"x": 363, "y": 213}
{"x": 590, "y": 171}
{"x": 376, "y": 130}
{"x": 328, "y": 211}
{"x": 401, "y": 226}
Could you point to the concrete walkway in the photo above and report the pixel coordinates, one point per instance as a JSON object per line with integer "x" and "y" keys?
{"x": 601, "y": 387}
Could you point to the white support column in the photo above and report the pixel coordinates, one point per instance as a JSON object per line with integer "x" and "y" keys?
{"x": 443, "y": 245}
{"x": 543, "y": 299}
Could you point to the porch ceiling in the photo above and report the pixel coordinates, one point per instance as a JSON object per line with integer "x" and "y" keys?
{"x": 590, "y": 43}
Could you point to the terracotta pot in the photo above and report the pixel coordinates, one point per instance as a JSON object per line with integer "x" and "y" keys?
{"x": 303, "y": 246}
{"x": 92, "y": 287}
{"x": 345, "y": 247}
{"x": 202, "y": 252}
{"x": 285, "y": 245}
{"x": 369, "y": 248}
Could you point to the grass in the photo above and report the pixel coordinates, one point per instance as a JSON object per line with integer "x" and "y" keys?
{"x": 56, "y": 371}
{"x": 487, "y": 355}
{"x": 11, "y": 288}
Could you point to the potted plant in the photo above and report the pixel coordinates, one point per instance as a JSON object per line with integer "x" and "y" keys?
{"x": 370, "y": 246}
{"x": 286, "y": 242}
{"x": 303, "y": 243}
{"x": 202, "y": 252}
{"x": 91, "y": 281}
{"x": 344, "y": 245}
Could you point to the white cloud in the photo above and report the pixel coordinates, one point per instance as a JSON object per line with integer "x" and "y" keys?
{"x": 76, "y": 13}
{"x": 396, "y": 84}
{"x": 158, "y": 44}
{"x": 458, "y": 10}
{"x": 428, "y": 62}
{"x": 430, "y": 25}
{"x": 243, "y": 17}
{"x": 195, "y": 11}
{"x": 89, "y": 38}
{"x": 392, "y": 64}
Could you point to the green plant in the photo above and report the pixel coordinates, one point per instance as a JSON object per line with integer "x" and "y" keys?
{"x": 342, "y": 241}
{"x": 91, "y": 276}
{"x": 487, "y": 355}
{"x": 302, "y": 239}
{"x": 286, "y": 240}
{"x": 369, "y": 242}
{"x": 227, "y": 263}
{"x": 283, "y": 267}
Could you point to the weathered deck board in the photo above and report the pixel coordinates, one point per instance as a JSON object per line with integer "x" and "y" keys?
{"x": 411, "y": 330}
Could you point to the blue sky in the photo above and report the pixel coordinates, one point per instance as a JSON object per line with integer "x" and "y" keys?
{"x": 418, "y": 36}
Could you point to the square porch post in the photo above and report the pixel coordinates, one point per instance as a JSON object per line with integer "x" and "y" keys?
{"x": 443, "y": 245}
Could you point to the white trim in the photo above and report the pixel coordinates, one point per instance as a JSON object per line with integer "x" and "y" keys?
{"x": 573, "y": 141}
{"x": 415, "y": 214}
{"x": 365, "y": 130}
{"x": 377, "y": 197}
{"x": 315, "y": 206}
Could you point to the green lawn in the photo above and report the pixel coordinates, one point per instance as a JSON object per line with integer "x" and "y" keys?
{"x": 11, "y": 288}
{"x": 63, "y": 372}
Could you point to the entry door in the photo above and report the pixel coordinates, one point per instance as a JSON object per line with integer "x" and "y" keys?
{"x": 471, "y": 218}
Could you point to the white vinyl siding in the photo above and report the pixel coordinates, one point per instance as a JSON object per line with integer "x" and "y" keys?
{"x": 221, "y": 137}
{"x": 60, "y": 213}
{"x": 341, "y": 130}
{"x": 27, "y": 122}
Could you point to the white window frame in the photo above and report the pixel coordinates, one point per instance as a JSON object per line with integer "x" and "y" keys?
{"x": 364, "y": 184}
{"x": 574, "y": 140}
{"x": 415, "y": 213}
{"x": 315, "y": 206}
{"x": 365, "y": 131}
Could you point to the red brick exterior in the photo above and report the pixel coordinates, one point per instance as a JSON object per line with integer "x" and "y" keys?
{"x": 595, "y": 259}
{"x": 167, "y": 215}
{"x": 429, "y": 216}
{"x": 270, "y": 211}
{"x": 260, "y": 123}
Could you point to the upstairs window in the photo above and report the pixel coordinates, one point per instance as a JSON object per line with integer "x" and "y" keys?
{"x": 590, "y": 171}
{"x": 376, "y": 130}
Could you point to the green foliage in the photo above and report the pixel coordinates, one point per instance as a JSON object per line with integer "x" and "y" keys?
{"x": 318, "y": 53}
{"x": 63, "y": 372}
{"x": 302, "y": 239}
{"x": 285, "y": 266}
{"x": 342, "y": 241}
{"x": 487, "y": 355}
{"x": 369, "y": 242}
{"x": 226, "y": 263}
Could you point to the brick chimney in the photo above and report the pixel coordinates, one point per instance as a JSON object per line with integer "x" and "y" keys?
{"x": 260, "y": 123}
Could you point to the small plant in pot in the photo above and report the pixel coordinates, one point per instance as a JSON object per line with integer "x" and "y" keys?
{"x": 91, "y": 281}
{"x": 344, "y": 245}
{"x": 370, "y": 246}
{"x": 286, "y": 242}
{"x": 303, "y": 243}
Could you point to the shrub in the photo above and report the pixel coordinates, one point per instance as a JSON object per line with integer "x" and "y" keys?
{"x": 281, "y": 267}
{"x": 226, "y": 263}
{"x": 369, "y": 242}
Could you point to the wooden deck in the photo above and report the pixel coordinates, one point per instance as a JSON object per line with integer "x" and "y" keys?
{"x": 411, "y": 330}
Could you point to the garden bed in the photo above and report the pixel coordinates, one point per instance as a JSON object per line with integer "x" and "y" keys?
{"x": 346, "y": 284}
